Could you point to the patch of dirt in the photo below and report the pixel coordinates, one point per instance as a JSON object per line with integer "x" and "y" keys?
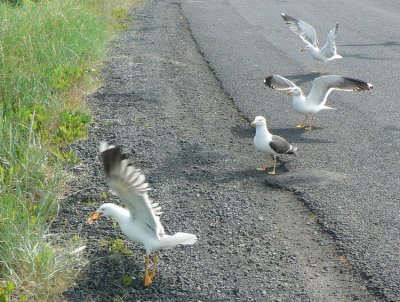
{"x": 162, "y": 103}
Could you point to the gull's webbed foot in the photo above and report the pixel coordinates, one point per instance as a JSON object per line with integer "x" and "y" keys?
{"x": 264, "y": 166}
{"x": 303, "y": 123}
{"x": 147, "y": 281}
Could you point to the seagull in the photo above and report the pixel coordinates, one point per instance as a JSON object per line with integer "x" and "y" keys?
{"x": 140, "y": 221}
{"x": 307, "y": 33}
{"x": 270, "y": 144}
{"x": 315, "y": 101}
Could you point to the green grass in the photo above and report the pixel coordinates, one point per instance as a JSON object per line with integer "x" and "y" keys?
{"x": 47, "y": 53}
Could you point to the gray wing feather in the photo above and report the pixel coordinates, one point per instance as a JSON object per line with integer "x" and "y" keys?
{"x": 279, "y": 83}
{"x": 304, "y": 30}
{"x": 130, "y": 185}
{"x": 322, "y": 86}
{"x": 329, "y": 49}
{"x": 280, "y": 145}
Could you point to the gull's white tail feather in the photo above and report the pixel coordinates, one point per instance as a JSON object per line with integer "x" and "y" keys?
{"x": 169, "y": 241}
{"x": 327, "y": 107}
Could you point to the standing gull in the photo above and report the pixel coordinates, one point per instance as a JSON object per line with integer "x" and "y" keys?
{"x": 307, "y": 33}
{"x": 270, "y": 144}
{"x": 316, "y": 100}
{"x": 140, "y": 222}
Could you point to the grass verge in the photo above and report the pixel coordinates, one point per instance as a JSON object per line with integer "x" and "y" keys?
{"x": 47, "y": 52}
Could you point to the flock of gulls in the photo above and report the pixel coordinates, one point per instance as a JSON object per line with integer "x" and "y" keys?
{"x": 307, "y": 105}
{"x": 140, "y": 220}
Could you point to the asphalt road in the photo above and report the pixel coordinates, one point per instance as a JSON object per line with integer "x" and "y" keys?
{"x": 347, "y": 169}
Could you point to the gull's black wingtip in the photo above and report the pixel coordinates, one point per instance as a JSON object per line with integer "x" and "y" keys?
{"x": 268, "y": 81}
{"x": 285, "y": 17}
{"x": 112, "y": 156}
{"x": 359, "y": 85}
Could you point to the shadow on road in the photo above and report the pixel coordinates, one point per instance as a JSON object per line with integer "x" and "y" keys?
{"x": 300, "y": 79}
{"x": 388, "y": 43}
{"x": 366, "y": 57}
{"x": 392, "y": 128}
{"x": 303, "y": 179}
{"x": 294, "y": 135}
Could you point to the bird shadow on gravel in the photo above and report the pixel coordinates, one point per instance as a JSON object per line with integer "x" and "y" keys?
{"x": 300, "y": 180}
{"x": 125, "y": 278}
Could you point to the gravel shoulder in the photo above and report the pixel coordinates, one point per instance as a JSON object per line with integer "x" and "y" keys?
{"x": 163, "y": 104}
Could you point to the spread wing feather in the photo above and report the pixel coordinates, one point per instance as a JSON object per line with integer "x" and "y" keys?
{"x": 130, "y": 185}
{"x": 329, "y": 49}
{"x": 322, "y": 86}
{"x": 304, "y": 30}
{"x": 279, "y": 83}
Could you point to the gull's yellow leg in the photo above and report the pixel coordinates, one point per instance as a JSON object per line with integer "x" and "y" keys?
{"x": 316, "y": 70}
{"x": 303, "y": 123}
{"x": 325, "y": 70}
{"x": 273, "y": 170}
{"x": 265, "y": 165}
{"x": 311, "y": 124}
{"x": 147, "y": 279}
{"x": 153, "y": 272}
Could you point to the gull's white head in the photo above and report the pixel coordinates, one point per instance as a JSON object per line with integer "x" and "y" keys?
{"x": 295, "y": 91}
{"x": 259, "y": 121}
{"x": 105, "y": 210}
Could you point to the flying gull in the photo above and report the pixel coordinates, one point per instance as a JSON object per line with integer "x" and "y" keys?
{"x": 316, "y": 100}
{"x": 140, "y": 221}
{"x": 307, "y": 33}
{"x": 270, "y": 144}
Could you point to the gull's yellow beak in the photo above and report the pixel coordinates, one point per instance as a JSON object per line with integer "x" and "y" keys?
{"x": 253, "y": 124}
{"x": 94, "y": 216}
{"x": 290, "y": 93}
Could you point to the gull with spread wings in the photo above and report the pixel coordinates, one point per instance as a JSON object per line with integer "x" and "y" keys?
{"x": 316, "y": 100}
{"x": 307, "y": 33}
{"x": 140, "y": 221}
